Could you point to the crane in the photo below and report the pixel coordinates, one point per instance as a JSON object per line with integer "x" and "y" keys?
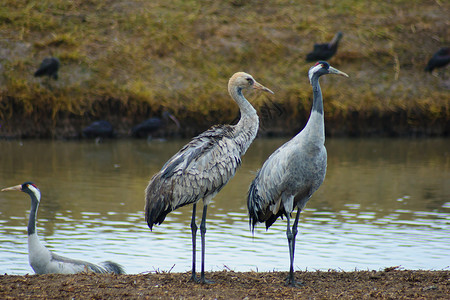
{"x": 49, "y": 67}
{"x": 291, "y": 174}
{"x": 204, "y": 166}
{"x": 42, "y": 260}
{"x": 325, "y": 51}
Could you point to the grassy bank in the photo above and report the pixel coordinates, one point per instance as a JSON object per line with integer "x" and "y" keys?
{"x": 127, "y": 61}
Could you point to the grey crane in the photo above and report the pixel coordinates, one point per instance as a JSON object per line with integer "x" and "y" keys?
{"x": 291, "y": 174}
{"x": 204, "y": 166}
{"x": 42, "y": 260}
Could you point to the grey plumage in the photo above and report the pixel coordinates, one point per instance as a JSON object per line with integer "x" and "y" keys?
{"x": 290, "y": 176}
{"x": 199, "y": 170}
{"x": 42, "y": 260}
{"x": 204, "y": 166}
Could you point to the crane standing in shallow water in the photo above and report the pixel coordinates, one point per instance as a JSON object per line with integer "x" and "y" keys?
{"x": 204, "y": 166}
{"x": 42, "y": 260}
{"x": 290, "y": 176}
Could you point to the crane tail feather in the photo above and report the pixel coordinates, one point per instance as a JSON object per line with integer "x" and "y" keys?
{"x": 156, "y": 209}
{"x": 112, "y": 267}
{"x": 253, "y": 206}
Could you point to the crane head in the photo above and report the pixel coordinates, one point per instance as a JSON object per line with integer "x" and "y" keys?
{"x": 242, "y": 80}
{"x": 323, "y": 68}
{"x": 27, "y": 187}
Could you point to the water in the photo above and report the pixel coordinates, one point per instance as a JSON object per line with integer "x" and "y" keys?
{"x": 384, "y": 202}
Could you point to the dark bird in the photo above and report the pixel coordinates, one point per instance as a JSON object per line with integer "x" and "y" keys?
{"x": 204, "y": 166}
{"x": 290, "y": 176}
{"x": 325, "y": 51}
{"x": 42, "y": 260}
{"x": 150, "y": 126}
{"x": 439, "y": 59}
{"x": 49, "y": 67}
{"x": 99, "y": 129}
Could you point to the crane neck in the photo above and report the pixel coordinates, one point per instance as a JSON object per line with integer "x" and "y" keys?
{"x": 249, "y": 122}
{"x": 31, "y": 229}
{"x": 315, "y": 126}
{"x": 246, "y": 108}
{"x": 317, "y": 95}
{"x": 248, "y": 112}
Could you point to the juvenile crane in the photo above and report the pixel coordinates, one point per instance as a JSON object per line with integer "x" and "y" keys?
{"x": 325, "y": 51}
{"x": 290, "y": 176}
{"x": 42, "y": 260}
{"x": 204, "y": 166}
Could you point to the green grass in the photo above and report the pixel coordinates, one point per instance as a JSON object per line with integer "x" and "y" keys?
{"x": 131, "y": 59}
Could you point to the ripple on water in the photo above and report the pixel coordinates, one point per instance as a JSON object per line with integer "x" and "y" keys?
{"x": 375, "y": 210}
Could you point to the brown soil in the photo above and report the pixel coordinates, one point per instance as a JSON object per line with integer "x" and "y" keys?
{"x": 390, "y": 283}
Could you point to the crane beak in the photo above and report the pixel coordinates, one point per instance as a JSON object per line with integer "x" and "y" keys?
{"x": 332, "y": 70}
{"x": 259, "y": 86}
{"x": 13, "y": 188}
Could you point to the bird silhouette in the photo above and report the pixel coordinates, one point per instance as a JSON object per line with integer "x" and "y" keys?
{"x": 99, "y": 129}
{"x": 439, "y": 59}
{"x": 49, "y": 67}
{"x": 204, "y": 166}
{"x": 325, "y": 51}
{"x": 152, "y": 125}
{"x": 290, "y": 176}
{"x": 42, "y": 260}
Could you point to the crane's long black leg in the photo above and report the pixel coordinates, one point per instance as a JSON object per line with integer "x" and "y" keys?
{"x": 194, "y": 238}
{"x": 289, "y": 236}
{"x": 294, "y": 235}
{"x": 291, "y": 242}
{"x": 294, "y": 230}
{"x": 202, "y": 232}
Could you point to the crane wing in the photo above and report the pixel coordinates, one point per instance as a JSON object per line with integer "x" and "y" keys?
{"x": 65, "y": 265}
{"x": 265, "y": 193}
{"x": 199, "y": 169}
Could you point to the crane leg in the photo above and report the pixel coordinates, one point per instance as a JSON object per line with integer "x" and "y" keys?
{"x": 203, "y": 232}
{"x": 194, "y": 237}
{"x": 291, "y": 242}
{"x": 294, "y": 231}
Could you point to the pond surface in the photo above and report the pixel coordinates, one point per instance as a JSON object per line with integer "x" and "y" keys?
{"x": 384, "y": 202}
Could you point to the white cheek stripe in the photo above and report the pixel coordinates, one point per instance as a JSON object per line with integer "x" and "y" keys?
{"x": 35, "y": 191}
{"x": 313, "y": 70}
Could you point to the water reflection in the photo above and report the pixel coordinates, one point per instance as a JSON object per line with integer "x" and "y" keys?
{"x": 384, "y": 202}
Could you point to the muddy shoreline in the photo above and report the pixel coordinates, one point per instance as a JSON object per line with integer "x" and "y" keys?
{"x": 390, "y": 283}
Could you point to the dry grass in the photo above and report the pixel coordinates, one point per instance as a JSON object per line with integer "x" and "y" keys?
{"x": 131, "y": 59}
